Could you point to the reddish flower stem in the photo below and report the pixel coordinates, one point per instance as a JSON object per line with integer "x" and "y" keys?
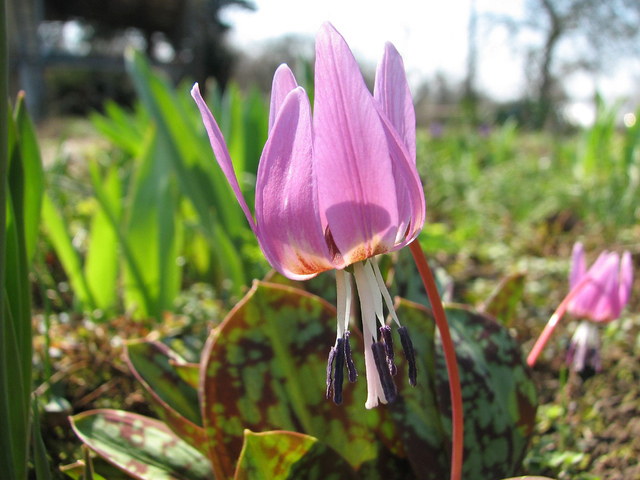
{"x": 553, "y": 321}
{"x": 457, "y": 437}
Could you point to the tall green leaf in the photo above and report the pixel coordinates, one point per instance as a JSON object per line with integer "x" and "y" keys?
{"x": 197, "y": 174}
{"x": 152, "y": 235}
{"x": 57, "y": 232}
{"x": 16, "y": 307}
{"x": 102, "y": 259}
{"x": 10, "y": 468}
{"x": 33, "y": 174}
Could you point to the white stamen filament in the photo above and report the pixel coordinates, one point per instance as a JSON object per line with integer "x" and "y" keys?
{"x": 374, "y": 387}
{"x": 384, "y": 291}
{"x": 343, "y": 290}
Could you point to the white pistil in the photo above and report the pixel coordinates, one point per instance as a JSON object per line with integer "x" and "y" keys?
{"x": 376, "y": 294}
{"x": 375, "y": 392}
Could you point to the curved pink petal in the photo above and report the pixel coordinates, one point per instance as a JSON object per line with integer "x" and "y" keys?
{"x": 289, "y": 227}
{"x": 411, "y": 201}
{"x": 394, "y": 100}
{"x": 391, "y": 91}
{"x": 221, "y": 152}
{"x": 356, "y": 186}
{"x": 283, "y": 82}
{"x": 626, "y": 279}
{"x": 606, "y": 306}
{"x": 598, "y": 299}
{"x": 578, "y": 265}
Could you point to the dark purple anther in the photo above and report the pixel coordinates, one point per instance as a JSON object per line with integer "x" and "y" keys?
{"x": 332, "y": 356}
{"x": 410, "y": 355}
{"x": 351, "y": 368}
{"x": 388, "y": 346}
{"x": 380, "y": 357}
{"x": 338, "y": 375}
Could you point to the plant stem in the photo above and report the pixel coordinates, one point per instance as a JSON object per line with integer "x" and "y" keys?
{"x": 457, "y": 436}
{"x": 553, "y": 321}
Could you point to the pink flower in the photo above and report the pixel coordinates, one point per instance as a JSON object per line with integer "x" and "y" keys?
{"x": 604, "y": 296}
{"x": 336, "y": 188}
{"x": 600, "y": 299}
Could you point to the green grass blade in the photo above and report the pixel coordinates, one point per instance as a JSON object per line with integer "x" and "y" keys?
{"x": 58, "y": 233}
{"x": 16, "y": 331}
{"x": 7, "y": 462}
{"x": 150, "y": 236}
{"x": 199, "y": 178}
{"x": 41, "y": 463}
{"x": 33, "y": 174}
{"x": 102, "y": 260}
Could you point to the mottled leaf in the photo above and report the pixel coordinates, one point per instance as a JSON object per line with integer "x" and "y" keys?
{"x": 498, "y": 394}
{"x": 264, "y": 369}
{"x": 143, "y": 447}
{"x": 529, "y": 477}
{"x": 289, "y": 455}
{"x": 101, "y": 470}
{"x": 503, "y": 301}
{"x": 416, "y": 411}
{"x": 176, "y": 401}
{"x": 189, "y": 372}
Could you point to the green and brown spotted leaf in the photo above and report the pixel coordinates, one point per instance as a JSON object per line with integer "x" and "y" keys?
{"x": 498, "y": 394}
{"x": 101, "y": 470}
{"x": 189, "y": 372}
{"x": 264, "y": 369}
{"x": 289, "y": 455}
{"x": 415, "y": 412}
{"x": 174, "y": 399}
{"x": 529, "y": 477}
{"x": 143, "y": 447}
{"x": 503, "y": 301}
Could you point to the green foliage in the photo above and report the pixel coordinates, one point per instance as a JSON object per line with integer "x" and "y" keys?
{"x": 503, "y": 183}
{"x": 504, "y": 300}
{"x": 166, "y": 204}
{"x": 263, "y": 370}
{"x": 19, "y": 223}
{"x": 142, "y": 446}
{"x": 289, "y": 455}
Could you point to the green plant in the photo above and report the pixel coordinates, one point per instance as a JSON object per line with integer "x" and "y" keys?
{"x": 22, "y": 174}
{"x": 263, "y": 370}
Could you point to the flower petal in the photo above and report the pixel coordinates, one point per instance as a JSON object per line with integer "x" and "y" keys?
{"x": 598, "y": 299}
{"x": 283, "y": 83}
{"x": 395, "y": 103}
{"x": 356, "y": 186}
{"x": 391, "y": 91}
{"x": 289, "y": 226}
{"x": 606, "y": 306}
{"x": 626, "y": 279}
{"x": 578, "y": 265}
{"x": 221, "y": 152}
{"x": 410, "y": 194}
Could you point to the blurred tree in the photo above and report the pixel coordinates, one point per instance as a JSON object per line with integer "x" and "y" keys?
{"x": 193, "y": 28}
{"x": 597, "y": 34}
{"x": 59, "y": 47}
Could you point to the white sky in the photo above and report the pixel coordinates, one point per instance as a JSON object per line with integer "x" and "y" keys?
{"x": 431, "y": 35}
